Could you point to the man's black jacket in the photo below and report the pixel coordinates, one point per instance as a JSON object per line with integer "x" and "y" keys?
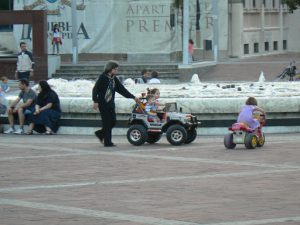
{"x": 100, "y": 89}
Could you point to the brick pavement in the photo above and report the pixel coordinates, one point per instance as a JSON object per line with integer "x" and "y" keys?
{"x": 249, "y": 69}
{"x": 62, "y": 180}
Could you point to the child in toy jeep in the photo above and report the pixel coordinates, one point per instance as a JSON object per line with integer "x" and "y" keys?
{"x": 248, "y": 129}
{"x": 180, "y": 128}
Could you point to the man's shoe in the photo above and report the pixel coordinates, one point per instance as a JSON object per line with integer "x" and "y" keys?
{"x": 99, "y": 135}
{"x": 19, "y": 131}
{"x": 9, "y": 131}
{"x": 110, "y": 145}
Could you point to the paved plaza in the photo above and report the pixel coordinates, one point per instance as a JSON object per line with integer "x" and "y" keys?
{"x": 249, "y": 69}
{"x": 73, "y": 180}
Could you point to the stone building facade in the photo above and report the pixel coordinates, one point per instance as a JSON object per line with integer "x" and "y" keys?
{"x": 152, "y": 30}
{"x": 259, "y": 27}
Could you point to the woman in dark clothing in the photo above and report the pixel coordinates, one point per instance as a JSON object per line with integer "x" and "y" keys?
{"x": 104, "y": 100}
{"x": 47, "y": 111}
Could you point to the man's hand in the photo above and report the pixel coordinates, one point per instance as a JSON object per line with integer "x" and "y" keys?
{"x": 11, "y": 109}
{"x": 37, "y": 111}
{"x": 31, "y": 74}
{"x": 16, "y": 75}
{"x": 95, "y": 106}
{"x": 137, "y": 100}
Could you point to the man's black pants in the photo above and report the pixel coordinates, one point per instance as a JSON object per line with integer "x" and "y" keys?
{"x": 108, "y": 117}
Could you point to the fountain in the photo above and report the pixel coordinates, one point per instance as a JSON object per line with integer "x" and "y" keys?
{"x": 215, "y": 104}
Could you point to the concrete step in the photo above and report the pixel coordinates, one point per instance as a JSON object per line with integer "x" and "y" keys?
{"x": 125, "y": 73}
{"x": 133, "y": 71}
{"x": 137, "y": 67}
{"x": 174, "y": 77}
{"x": 86, "y": 71}
{"x": 6, "y": 52}
{"x": 7, "y": 56}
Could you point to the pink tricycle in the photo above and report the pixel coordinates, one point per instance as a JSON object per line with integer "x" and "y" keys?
{"x": 241, "y": 133}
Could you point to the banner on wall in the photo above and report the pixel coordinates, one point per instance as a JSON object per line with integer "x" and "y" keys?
{"x": 122, "y": 26}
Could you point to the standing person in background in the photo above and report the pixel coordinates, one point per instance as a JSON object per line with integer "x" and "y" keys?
{"x": 25, "y": 63}
{"x": 154, "y": 78}
{"x": 56, "y": 39}
{"x": 104, "y": 100}
{"x": 191, "y": 50}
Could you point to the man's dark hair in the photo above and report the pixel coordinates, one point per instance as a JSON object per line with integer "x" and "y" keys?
{"x": 22, "y": 43}
{"x": 110, "y": 65}
{"x": 154, "y": 74}
{"x": 25, "y": 82}
{"x": 144, "y": 71}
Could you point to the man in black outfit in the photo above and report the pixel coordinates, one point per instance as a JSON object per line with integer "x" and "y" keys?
{"x": 104, "y": 99}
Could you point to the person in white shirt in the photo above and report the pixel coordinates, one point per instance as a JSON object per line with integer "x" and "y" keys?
{"x": 25, "y": 63}
{"x": 154, "y": 78}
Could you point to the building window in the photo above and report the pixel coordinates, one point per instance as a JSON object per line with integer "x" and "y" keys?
{"x": 246, "y": 49}
{"x": 274, "y": 4}
{"x": 264, "y": 3}
{"x": 256, "y": 47}
{"x": 254, "y": 3}
{"x": 208, "y": 45}
{"x": 284, "y": 44}
{"x": 244, "y": 4}
{"x": 266, "y": 46}
{"x": 275, "y": 45}
{"x": 6, "y": 5}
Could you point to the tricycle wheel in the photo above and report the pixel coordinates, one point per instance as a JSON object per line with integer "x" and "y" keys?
{"x": 261, "y": 140}
{"x": 228, "y": 141}
{"x": 251, "y": 141}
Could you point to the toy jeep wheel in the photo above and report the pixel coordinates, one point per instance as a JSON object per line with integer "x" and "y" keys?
{"x": 191, "y": 136}
{"x": 137, "y": 134}
{"x": 153, "y": 137}
{"x": 251, "y": 141}
{"x": 176, "y": 135}
{"x": 261, "y": 140}
{"x": 228, "y": 141}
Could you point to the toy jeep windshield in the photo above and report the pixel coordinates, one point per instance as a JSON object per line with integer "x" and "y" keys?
{"x": 180, "y": 128}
